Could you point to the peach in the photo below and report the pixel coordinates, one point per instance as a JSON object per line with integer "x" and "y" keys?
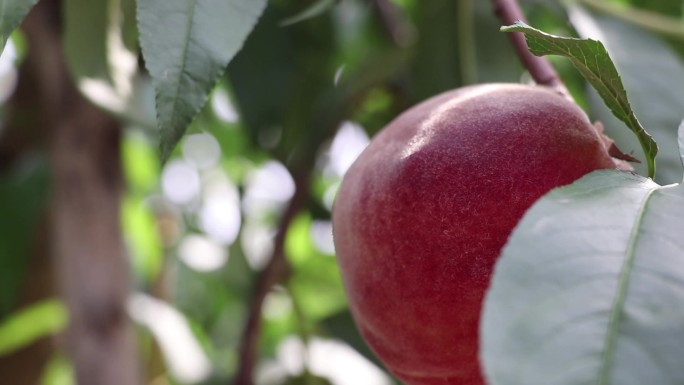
{"x": 422, "y": 215}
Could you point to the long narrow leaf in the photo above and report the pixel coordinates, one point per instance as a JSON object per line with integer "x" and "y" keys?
{"x": 653, "y": 76}
{"x": 591, "y": 59}
{"x": 314, "y": 10}
{"x": 28, "y": 325}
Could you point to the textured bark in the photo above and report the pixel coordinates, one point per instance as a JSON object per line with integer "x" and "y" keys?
{"x": 540, "y": 69}
{"x": 26, "y": 132}
{"x": 92, "y": 272}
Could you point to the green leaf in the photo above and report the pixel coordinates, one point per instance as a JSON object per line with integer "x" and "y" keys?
{"x": 589, "y": 288}
{"x": 24, "y": 193}
{"x": 315, "y": 282}
{"x": 12, "y": 13}
{"x": 103, "y": 67}
{"x": 496, "y": 60}
{"x": 142, "y": 237}
{"x": 295, "y": 99}
{"x": 591, "y": 59}
{"x": 86, "y": 24}
{"x": 26, "y": 326}
{"x": 314, "y": 10}
{"x": 666, "y": 20}
{"x": 307, "y": 378}
{"x": 141, "y": 167}
{"x": 187, "y": 45}
{"x": 652, "y": 73}
{"x": 58, "y": 371}
{"x": 281, "y": 78}
{"x": 436, "y": 66}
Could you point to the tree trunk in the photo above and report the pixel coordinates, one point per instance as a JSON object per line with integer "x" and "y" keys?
{"x": 92, "y": 271}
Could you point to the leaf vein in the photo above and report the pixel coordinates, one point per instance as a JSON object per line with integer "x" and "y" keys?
{"x": 617, "y": 312}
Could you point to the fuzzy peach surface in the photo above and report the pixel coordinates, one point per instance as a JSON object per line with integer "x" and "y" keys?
{"x": 423, "y": 213}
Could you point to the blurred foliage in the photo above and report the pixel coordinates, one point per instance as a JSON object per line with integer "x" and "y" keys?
{"x": 200, "y": 229}
{"x": 23, "y": 191}
{"x": 58, "y": 372}
{"x": 27, "y": 325}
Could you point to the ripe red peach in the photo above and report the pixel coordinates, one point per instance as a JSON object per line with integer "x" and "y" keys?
{"x": 422, "y": 215}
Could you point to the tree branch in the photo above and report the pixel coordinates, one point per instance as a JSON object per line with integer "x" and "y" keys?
{"x": 394, "y": 22}
{"x": 508, "y": 11}
{"x": 541, "y": 70}
{"x": 666, "y": 25}
{"x": 275, "y": 271}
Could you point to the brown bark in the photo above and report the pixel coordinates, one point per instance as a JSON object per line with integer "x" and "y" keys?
{"x": 92, "y": 272}
{"x": 541, "y": 70}
{"x": 276, "y": 271}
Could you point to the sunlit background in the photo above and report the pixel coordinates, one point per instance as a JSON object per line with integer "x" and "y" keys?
{"x": 213, "y": 205}
{"x": 200, "y": 228}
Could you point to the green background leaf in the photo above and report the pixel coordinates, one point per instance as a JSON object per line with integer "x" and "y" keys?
{"x": 313, "y": 10}
{"x": 12, "y": 13}
{"x": 23, "y": 195}
{"x": 103, "y": 60}
{"x": 23, "y": 327}
{"x": 187, "y": 46}
{"x": 85, "y": 45}
{"x": 589, "y": 288}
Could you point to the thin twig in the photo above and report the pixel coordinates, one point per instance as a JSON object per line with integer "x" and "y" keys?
{"x": 541, "y": 70}
{"x": 666, "y": 25}
{"x": 395, "y": 23}
{"x": 275, "y": 271}
{"x": 508, "y": 11}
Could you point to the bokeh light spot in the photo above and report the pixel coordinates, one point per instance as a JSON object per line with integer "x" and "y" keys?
{"x": 201, "y": 253}
{"x": 180, "y": 182}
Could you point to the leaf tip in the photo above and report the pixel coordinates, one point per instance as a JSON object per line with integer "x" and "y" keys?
{"x": 515, "y": 27}
{"x": 164, "y": 155}
{"x": 166, "y": 146}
